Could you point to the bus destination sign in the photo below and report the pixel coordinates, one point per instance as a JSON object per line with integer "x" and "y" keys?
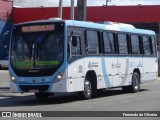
{"x": 38, "y": 28}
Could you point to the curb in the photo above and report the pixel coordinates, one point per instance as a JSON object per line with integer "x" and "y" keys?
{"x": 4, "y": 87}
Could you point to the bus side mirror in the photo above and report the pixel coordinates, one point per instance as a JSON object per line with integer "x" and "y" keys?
{"x": 74, "y": 41}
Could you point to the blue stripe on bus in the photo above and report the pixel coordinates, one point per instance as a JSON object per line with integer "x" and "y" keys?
{"x": 106, "y": 79}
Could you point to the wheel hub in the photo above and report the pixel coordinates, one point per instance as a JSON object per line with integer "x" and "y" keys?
{"x": 87, "y": 88}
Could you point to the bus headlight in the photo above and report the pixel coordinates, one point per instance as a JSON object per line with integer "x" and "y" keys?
{"x": 12, "y": 78}
{"x": 58, "y": 77}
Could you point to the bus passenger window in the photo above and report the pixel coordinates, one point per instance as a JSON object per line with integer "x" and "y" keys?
{"x": 122, "y": 40}
{"x": 76, "y": 50}
{"x": 108, "y": 40}
{"x": 92, "y": 46}
{"x": 153, "y": 46}
{"x": 147, "y": 45}
{"x": 135, "y": 44}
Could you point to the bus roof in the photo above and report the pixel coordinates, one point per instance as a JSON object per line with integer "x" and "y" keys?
{"x": 101, "y": 25}
{"x": 111, "y": 26}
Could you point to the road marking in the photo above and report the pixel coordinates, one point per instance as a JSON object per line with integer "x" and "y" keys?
{"x": 4, "y": 84}
{"x": 1, "y": 86}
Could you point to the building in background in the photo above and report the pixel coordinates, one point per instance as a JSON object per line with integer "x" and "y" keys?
{"x": 5, "y": 9}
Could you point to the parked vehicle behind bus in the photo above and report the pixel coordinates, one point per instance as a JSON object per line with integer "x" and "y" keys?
{"x": 64, "y": 56}
{"x": 5, "y": 32}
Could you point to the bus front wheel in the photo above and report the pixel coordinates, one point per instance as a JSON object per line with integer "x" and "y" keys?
{"x": 87, "y": 93}
{"x": 90, "y": 90}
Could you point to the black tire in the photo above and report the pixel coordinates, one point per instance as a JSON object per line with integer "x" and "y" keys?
{"x": 90, "y": 91}
{"x": 42, "y": 96}
{"x": 135, "y": 87}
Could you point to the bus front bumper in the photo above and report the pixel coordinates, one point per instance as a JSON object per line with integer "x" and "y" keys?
{"x": 60, "y": 86}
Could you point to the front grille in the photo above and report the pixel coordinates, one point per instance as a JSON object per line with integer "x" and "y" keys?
{"x": 40, "y": 88}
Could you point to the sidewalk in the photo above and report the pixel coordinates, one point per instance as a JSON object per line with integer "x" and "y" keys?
{"x": 4, "y": 82}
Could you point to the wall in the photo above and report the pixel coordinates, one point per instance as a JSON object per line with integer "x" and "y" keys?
{"x": 5, "y": 9}
{"x": 126, "y": 14}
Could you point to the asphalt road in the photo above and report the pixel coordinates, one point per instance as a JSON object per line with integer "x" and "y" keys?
{"x": 148, "y": 99}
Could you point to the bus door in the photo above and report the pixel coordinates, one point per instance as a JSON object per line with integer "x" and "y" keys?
{"x": 75, "y": 59}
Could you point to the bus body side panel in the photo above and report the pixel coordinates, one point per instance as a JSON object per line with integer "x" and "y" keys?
{"x": 123, "y": 71}
{"x": 136, "y": 62}
{"x": 98, "y": 65}
{"x": 111, "y": 70}
{"x": 79, "y": 68}
{"x": 150, "y": 71}
{"x": 76, "y": 75}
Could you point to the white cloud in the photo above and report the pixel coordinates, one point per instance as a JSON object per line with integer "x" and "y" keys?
{"x": 51, "y": 3}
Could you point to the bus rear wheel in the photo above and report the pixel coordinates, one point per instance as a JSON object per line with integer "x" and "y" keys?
{"x": 135, "y": 82}
{"x": 42, "y": 96}
{"x": 135, "y": 86}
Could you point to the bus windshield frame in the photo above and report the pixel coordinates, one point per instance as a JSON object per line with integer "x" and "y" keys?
{"x": 37, "y": 49}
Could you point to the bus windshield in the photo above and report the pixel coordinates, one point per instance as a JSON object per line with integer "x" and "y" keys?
{"x": 37, "y": 48}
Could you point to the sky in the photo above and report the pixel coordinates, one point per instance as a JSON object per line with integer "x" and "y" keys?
{"x": 54, "y": 3}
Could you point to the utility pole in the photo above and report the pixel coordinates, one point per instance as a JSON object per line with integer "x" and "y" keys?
{"x": 81, "y": 10}
{"x": 60, "y": 8}
{"x": 107, "y": 1}
{"x": 72, "y": 10}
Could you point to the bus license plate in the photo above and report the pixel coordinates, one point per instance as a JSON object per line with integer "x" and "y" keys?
{"x": 33, "y": 90}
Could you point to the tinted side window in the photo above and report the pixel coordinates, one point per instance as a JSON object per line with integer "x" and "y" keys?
{"x": 76, "y": 50}
{"x": 147, "y": 45}
{"x": 153, "y": 46}
{"x": 122, "y": 40}
{"x": 135, "y": 44}
{"x": 108, "y": 39}
{"x": 92, "y": 46}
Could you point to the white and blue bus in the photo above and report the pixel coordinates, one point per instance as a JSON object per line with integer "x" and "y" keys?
{"x": 64, "y": 56}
